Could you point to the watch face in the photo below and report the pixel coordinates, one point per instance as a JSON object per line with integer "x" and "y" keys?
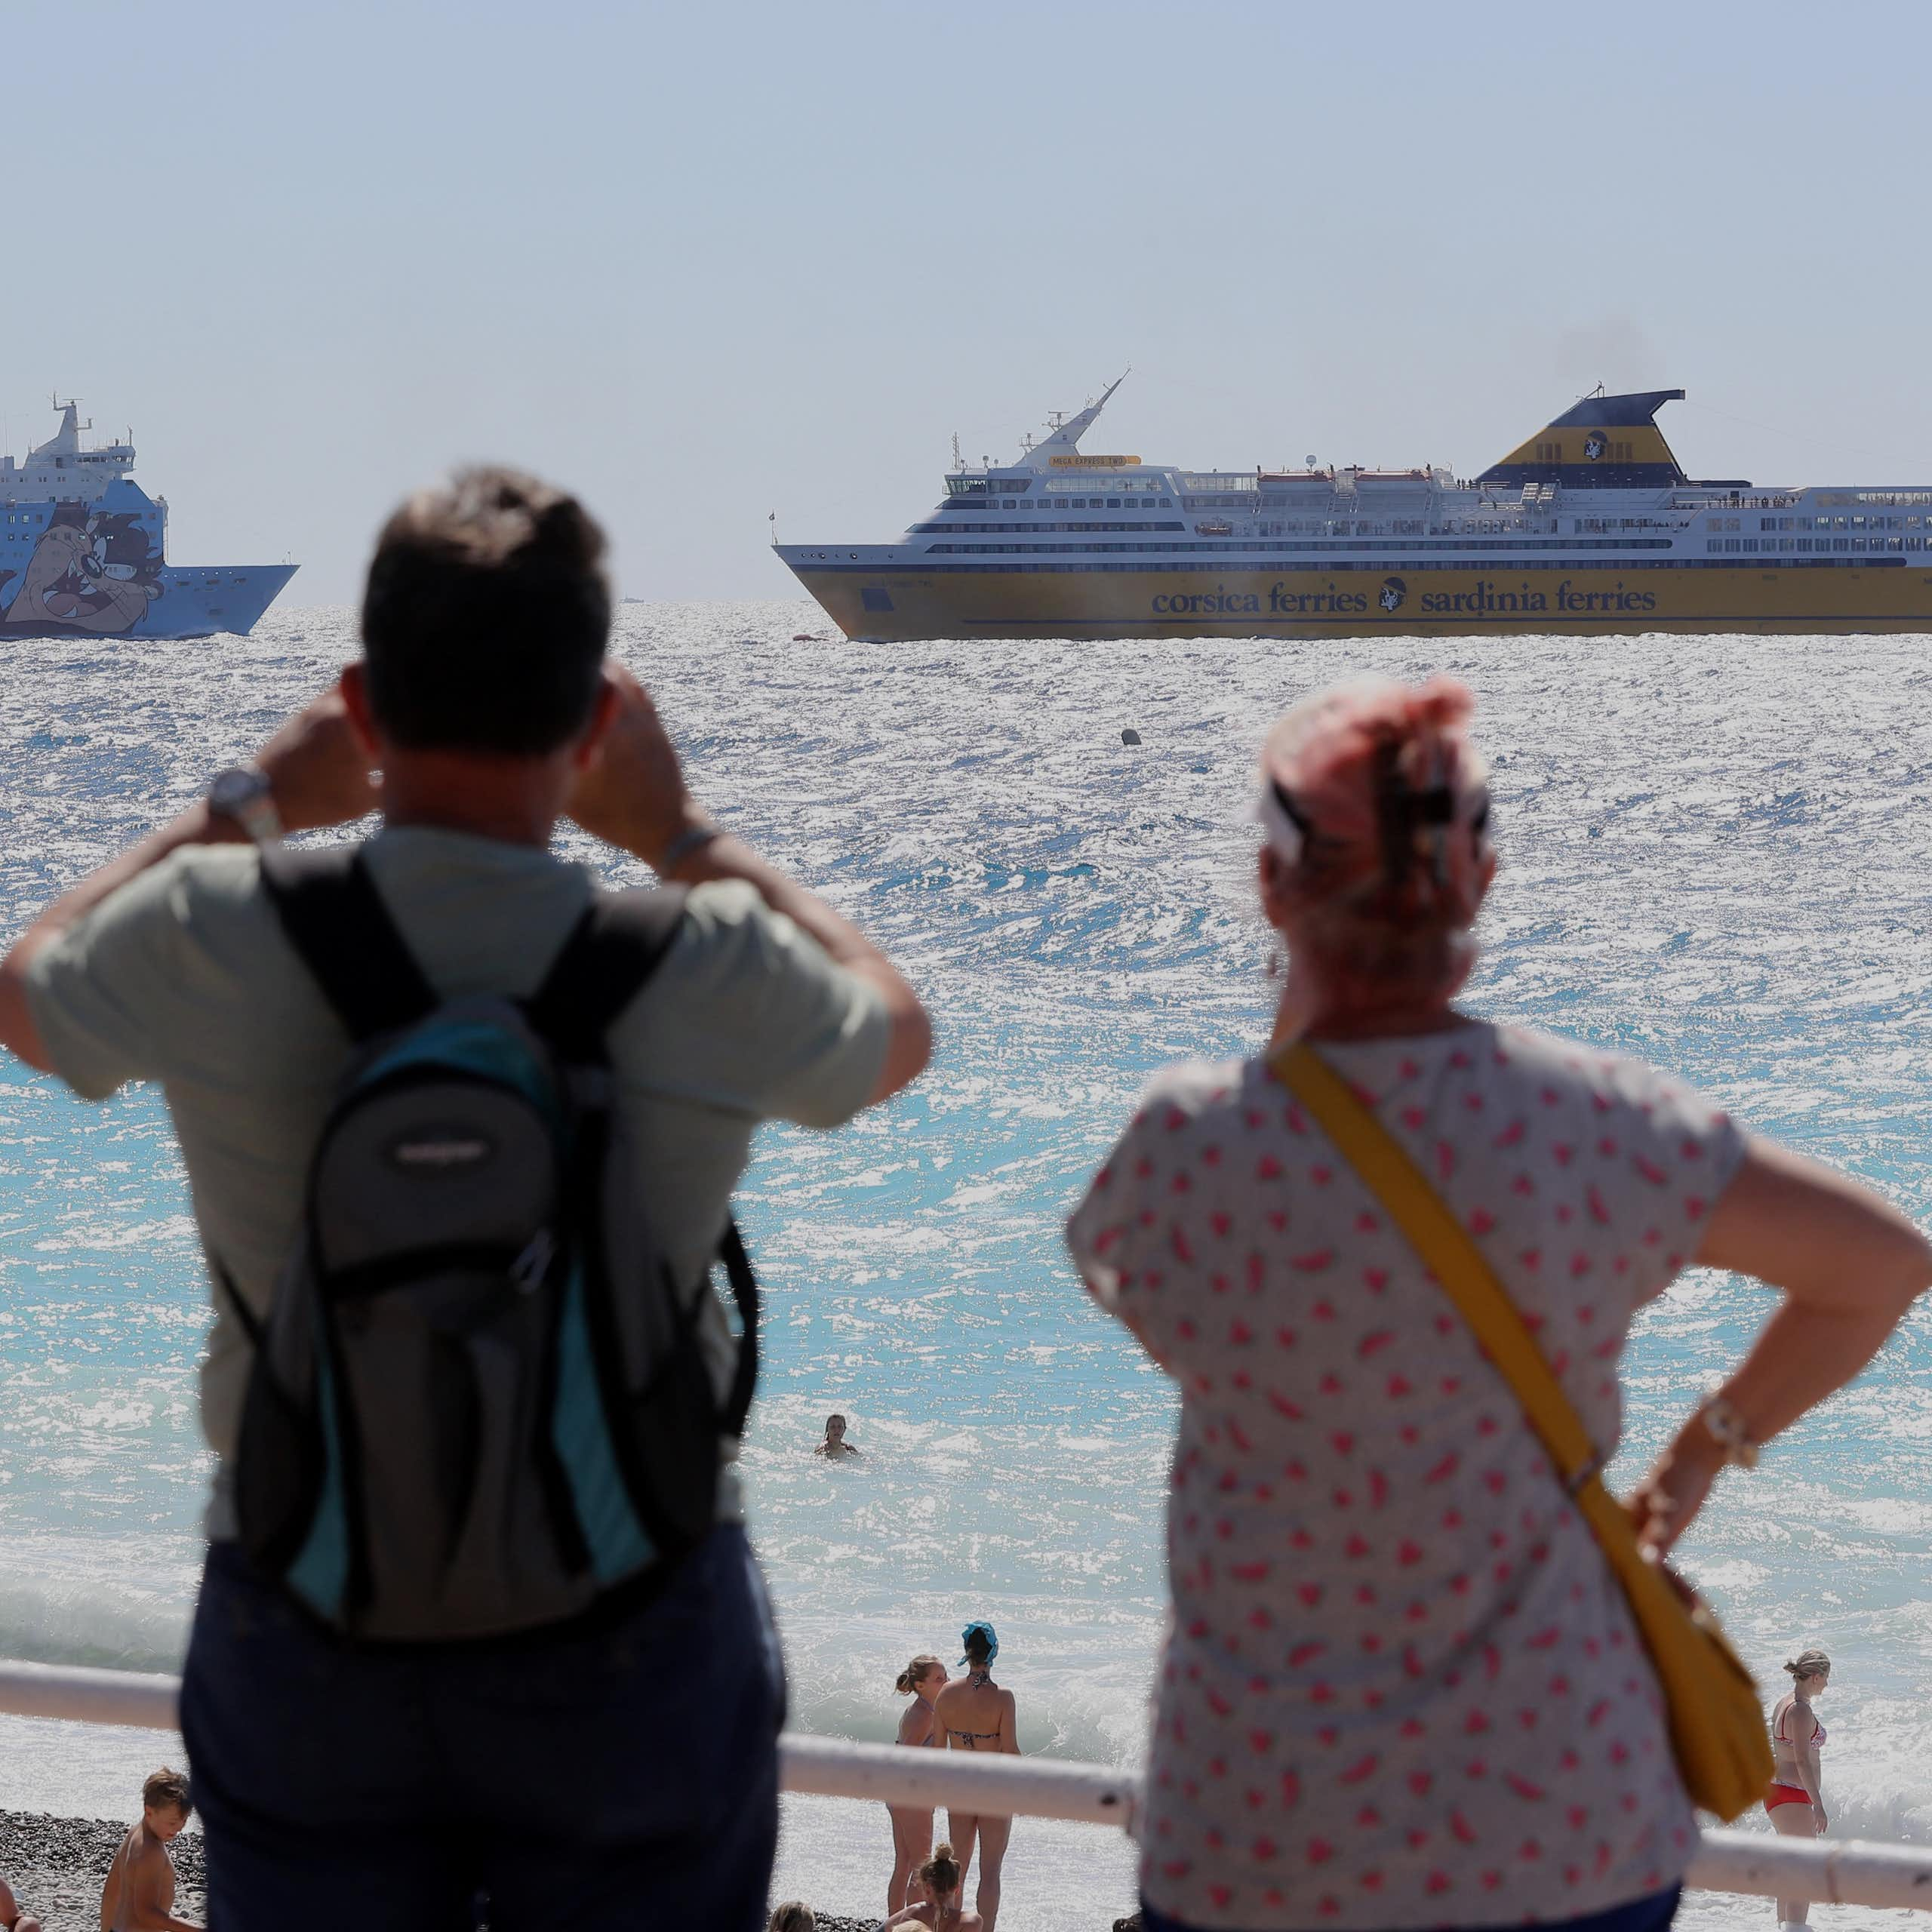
{"x": 236, "y": 789}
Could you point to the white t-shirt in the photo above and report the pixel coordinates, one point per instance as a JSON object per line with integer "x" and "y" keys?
{"x": 1400, "y": 1688}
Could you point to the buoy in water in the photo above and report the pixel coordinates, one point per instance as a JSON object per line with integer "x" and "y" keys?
{"x": 1130, "y": 736}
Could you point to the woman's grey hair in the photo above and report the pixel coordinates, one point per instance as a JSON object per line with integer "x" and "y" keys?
{"x": 1807, "y": 1663}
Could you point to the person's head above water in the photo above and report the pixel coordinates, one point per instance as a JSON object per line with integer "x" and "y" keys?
{"x": 979, "y": 1644}
{"x": 1375, "y": 805}
{"x": 834, "y": 1428}
{"x": 1809, "y": 1671}
{"x": 485, "y": 618}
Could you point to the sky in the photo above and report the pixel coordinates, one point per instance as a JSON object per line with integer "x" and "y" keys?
{"x": 707, "y": 262}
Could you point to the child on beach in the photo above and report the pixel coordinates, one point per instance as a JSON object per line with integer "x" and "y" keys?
{"x": 139, "y": 1896}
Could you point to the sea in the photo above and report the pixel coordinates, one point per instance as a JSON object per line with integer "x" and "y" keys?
{"x": 1716, "y": 854}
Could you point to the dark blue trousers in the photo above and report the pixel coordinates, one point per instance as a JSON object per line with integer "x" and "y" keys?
{"x": 604, "y": 1779}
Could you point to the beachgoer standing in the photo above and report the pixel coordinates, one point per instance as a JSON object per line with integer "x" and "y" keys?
{"x": 1795, "y": 1802}
{"x": 972, "y": 1713}
{"x": 1401, "y": 1687}
{"x": 942, "y": 1874}
{"x": 922, "y": 1680}
{"x": 630, "y": 1754}
{"x": 834, "y": 1444}
{"x": 139, "y": 1896}
{"x": 14, "y": 1917}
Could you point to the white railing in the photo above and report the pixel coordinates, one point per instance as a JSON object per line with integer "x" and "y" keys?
{"x": 1848, "y": 1871}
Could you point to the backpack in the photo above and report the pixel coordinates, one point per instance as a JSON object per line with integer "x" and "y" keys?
{"x": 479, "y": 1402}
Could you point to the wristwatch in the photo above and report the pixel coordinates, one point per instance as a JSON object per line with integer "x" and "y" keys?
{"x": 242, "y": 793}
{"x": 1726, "y": 1427}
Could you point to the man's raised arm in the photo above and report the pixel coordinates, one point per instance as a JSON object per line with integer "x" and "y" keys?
{"x": 633, "y": 795}
{"x": 318, "y": 774}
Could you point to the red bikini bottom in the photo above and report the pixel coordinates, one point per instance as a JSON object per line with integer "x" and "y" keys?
{"x": 1786, "y": 1793}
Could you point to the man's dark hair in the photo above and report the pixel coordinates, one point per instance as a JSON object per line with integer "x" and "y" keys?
{"x": 486, "y": 616}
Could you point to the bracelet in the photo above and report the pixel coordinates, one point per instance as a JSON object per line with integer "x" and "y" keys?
{"x": 684, "y": 845}
{"x": 1726, "y": 1427}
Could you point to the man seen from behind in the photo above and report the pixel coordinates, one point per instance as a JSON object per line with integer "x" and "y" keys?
{"x": 617, "y": 1769}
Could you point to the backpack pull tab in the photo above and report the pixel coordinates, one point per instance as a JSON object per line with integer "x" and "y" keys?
{"x": 529, "y": 1268}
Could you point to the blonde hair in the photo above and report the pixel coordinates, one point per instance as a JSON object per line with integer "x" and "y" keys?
{"x": 941, "y": 1872}
{"x": 1807, "y": 1663}
{"x": 794, "y": 1915}
{"x": 914, "y": 1674}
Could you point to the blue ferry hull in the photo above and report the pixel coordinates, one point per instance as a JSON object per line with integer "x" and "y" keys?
{"x": 191, "y": 603}
{"x": 83, "y": 552}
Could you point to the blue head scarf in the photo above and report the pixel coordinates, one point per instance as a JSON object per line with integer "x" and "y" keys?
{"x": 992, "y": 1642}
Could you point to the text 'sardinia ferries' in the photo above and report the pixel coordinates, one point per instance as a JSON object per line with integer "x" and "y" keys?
{"x": 1590, "y": 526}
{"x": 83, "y": 550}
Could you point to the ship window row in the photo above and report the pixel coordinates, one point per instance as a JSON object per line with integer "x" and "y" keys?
{"x": 1032, "y": 529}
{"x": 1069, "y": 504}
{"x": 1417, "y": 564}
{"x": 1785, "y": 543}
{"x": 1381, "y": 545}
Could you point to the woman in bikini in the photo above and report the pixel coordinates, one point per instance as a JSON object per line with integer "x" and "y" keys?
{"x": 922, "y": 1680}
{"x": 972, "y": 1713}
{"x": 1795, "y": 1803}
{"x": 940, "y": 1908}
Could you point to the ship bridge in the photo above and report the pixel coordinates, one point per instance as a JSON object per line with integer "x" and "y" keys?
{"x": 60, "y": 469}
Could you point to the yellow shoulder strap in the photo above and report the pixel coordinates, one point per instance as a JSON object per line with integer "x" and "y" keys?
{"x": 1447, "y": 1250}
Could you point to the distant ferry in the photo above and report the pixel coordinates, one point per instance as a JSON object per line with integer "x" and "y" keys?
{"x": 83, "y": 550}
{"x": 1589, "y": 527}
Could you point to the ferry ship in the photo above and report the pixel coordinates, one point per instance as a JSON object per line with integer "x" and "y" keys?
{"x": 1589, "y": 527}
{"x": 83, "y": 551}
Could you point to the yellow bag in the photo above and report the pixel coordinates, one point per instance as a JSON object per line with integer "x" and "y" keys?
{"x": 1717, "y": 1723}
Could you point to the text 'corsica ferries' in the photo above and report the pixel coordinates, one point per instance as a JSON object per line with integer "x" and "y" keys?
{"x": 1590, "y": 526}
{"x": 83, "y": 550}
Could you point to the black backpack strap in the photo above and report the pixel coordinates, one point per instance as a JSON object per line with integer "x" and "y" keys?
{"x": 336, "y": 920}
{"x": 744, "y": 1292}
{"x": 250, "y": 1322}
{"x": 617, "y": 945}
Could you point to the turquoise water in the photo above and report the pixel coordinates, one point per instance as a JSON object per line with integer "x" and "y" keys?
{"x": 1716, "y": 854}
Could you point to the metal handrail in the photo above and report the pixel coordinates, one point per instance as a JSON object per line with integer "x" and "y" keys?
{"x": 1847, "y": 1872}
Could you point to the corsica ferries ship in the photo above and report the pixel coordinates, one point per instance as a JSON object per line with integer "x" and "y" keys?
{"x": 83, "y": 550}
{"x": 1590, "y": 526}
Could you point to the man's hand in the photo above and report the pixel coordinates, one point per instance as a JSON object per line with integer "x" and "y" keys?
{"x": 318, "y": 768}
{"x": 632, "y": 794}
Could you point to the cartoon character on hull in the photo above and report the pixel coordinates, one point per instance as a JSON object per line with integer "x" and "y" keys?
{"x": 96, "y": 573}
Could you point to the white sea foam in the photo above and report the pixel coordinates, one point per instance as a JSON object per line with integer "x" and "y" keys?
{"x": 1715, "y": 853}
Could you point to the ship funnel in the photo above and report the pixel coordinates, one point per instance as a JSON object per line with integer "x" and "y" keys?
{"x": 1605, "y": 442}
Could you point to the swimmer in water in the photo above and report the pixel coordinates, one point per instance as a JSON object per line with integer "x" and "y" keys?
{"x": 1795, "y": 1803}
{"x": 922, "y": 1680}
{"x": 139, "y": 1896}
{"x": 835, "y": 1446}
{"x": 940, "y": 1908}
{"x": 972, "y": 1713}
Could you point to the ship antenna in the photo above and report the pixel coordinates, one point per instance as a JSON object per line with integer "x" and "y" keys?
{"x": 958, "y": 461}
